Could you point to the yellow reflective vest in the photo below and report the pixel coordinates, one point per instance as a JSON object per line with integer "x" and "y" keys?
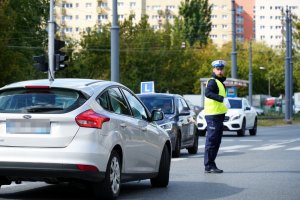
{"x": 213, "y": 107}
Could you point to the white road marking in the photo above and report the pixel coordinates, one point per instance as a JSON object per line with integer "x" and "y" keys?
{"x": 234, "y": 147}
{"x": 294, "y": 149}
{"x": 268, "y": 147}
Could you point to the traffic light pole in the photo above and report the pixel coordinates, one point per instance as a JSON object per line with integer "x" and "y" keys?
{"x": 51, "y": 43}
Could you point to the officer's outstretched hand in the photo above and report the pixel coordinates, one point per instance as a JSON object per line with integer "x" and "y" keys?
{"x": 226, "y": 103}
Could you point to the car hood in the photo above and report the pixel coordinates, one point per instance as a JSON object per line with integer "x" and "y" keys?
{"x": 231, "y": 112}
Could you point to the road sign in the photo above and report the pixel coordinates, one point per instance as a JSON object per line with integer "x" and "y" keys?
{"x": 231, "y": 92}
{"x": 147, "y": 87}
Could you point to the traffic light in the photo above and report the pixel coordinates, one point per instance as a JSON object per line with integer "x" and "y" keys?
{"x": 41, "y": 64}
{"x": 59, "y": 57}
{"x": 59, "y": 61}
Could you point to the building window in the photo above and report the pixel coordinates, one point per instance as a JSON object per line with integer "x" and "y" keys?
{"x": 120, "y": 4}
{"x": 224, "y": 26}
{"x": 224, "y": 37}
{"x": 88, "y": 5}
{"x": 88, "y": 17}
{"x": 67, "y": 5}
{"x": 224, "y": 16}
{"x": 102, "y": 17}
{"x": 132, "y": 4}
{"x": 102, "y": 5}
{"x": 214, "y": 26}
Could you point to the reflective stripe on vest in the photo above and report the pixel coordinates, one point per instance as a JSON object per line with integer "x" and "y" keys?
{"x": 212, "y": 107}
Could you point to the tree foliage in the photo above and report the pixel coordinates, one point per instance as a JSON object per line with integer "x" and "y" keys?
{"x": 164, "y": 56}
{"x": 197, "y": 21}
{"x": 22, "y": 28}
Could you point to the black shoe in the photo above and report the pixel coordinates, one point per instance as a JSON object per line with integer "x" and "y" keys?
{"x": 214, "y": 171}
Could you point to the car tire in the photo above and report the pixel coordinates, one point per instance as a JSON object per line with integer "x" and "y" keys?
{"x": 254, "y": 129}
{"x": 242, "y": 131}
{"x": 176, "y": 152}
{"x": 162, "y": 178}
{"x": 110, "y": 188}
{"x": 194, "y": 149}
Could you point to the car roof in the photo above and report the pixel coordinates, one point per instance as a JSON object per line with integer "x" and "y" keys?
{"x": 158, "y": 95}
{"x": 84, "y": 85}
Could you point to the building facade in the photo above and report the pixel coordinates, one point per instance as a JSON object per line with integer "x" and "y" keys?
{"x": 270, "y": 20}
{"x": 255, "y": 19}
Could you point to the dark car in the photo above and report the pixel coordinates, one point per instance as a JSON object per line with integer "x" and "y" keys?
{"x": 179, "y": 120}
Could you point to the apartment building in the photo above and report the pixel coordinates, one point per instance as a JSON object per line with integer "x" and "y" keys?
{"x": 257, "y": 19}
{"x": 270, "y": 20}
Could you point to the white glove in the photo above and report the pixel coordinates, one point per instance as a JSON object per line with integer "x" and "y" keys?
{"x": 226, "y": 103}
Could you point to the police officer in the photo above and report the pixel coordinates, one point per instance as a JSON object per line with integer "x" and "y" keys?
{"x": 214, "y": 110}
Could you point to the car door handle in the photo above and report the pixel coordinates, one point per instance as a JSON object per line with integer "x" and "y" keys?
{"x": 123, "y": 125}
{"x": 144, "y": 129}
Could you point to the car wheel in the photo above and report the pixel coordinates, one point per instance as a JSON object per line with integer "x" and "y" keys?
{"x": 176, "y": 152}
{"x": 194, "y": 148}
{"x": 162, "y": 178}
{"x": 242, "y": 131}
{"x": 254, "y": 129}
{"x": 111, "y": 185}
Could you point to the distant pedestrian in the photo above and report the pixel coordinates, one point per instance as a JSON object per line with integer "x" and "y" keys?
{"x": 214, "y": 110}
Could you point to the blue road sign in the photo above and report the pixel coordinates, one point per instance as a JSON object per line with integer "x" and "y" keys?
{"x": 231, "y": 92}
{"x": 147, "y": 87}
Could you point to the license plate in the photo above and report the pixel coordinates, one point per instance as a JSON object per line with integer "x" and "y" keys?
{"x": 28, "y": 126}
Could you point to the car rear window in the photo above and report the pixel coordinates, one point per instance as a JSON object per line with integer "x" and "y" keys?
{"x": 47, "y": 100}
{"x": 166, "y": 104}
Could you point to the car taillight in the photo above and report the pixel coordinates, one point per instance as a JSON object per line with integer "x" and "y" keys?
{"x": 90, "y": 168}
{"x": 91, "y": 119}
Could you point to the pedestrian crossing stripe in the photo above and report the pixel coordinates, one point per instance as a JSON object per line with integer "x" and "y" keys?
{"x": 269, "y": 147}
{"x": 235, "y": 148}
{"x": 294, "y": 149}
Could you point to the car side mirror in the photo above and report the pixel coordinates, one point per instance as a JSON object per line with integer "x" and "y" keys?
{"x": 184, "y": 112}
{"x": 157, "y": 115}
{"x": 247, "y": 108}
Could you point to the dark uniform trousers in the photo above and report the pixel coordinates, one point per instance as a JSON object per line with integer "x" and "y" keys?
{"x": 213, "y": 139}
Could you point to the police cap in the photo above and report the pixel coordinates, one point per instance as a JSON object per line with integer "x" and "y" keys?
{"x": 218, "y": 64}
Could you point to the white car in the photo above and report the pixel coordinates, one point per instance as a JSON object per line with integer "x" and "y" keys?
{"x": 94, "y": 132}
{"x": 239, "y": 117}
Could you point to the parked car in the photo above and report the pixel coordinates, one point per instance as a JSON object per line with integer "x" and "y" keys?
{"x": 80, "y": 130}
{"x": 240, "y": 117}
{"x": 259, "y": 111}
{"x": 195, "y": 108}
{"x": 179, "y": 120}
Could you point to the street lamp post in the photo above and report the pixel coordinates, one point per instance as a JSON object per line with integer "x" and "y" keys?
{"x": 269, "y": 81}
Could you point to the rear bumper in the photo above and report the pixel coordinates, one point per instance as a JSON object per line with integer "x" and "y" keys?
{"x": 46, "y": 172}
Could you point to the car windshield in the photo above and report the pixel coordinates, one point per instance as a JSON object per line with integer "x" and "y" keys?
{"x": 166, "y": 104}
{"x": 39, "y": 101}
{"x": 235, "y": 103}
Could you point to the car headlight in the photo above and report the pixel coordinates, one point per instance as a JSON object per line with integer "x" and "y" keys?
{"x": 167, "y": 126}
{"x": 235, "y": 117}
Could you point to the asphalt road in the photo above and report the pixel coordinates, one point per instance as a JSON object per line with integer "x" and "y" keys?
{"x": 266, "y": 166}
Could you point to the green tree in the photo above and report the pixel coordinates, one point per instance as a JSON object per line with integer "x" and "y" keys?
{"x": 22, "y": 35}
{"x": 196, "y": 15}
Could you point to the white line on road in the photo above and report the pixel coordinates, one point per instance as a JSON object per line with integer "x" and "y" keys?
{"x": 294, "y": 149}
{"x": 269, "y": 147}
{"x": 234, "y": 147}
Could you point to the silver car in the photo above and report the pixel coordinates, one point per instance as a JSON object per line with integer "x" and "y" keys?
{"x": 80, "y": 130}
